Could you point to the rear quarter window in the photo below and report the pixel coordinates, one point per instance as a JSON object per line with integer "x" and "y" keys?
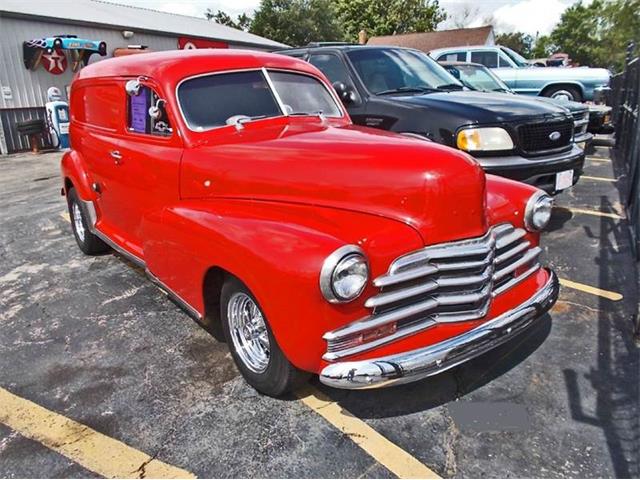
{"x": 100, "y": 105}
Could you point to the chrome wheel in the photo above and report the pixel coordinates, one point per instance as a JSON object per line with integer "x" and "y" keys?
{"x": 248, "y": 332}
{"x": 563, "y": 95}
{"x": 77, "y": 220}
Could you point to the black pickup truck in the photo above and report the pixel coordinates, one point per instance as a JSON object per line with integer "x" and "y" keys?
{"x": 405, "y": 91}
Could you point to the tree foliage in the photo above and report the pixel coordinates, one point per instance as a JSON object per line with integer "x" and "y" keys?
{"x": 387, "y": 17}
{"x": 518, "y": 41}
{"x": 596, "y": 34}
{"x": 296, "y": 22}
{"x": 242, "y": 22}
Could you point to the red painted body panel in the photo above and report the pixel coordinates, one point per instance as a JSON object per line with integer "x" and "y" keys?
{"x": 270, "y": 202}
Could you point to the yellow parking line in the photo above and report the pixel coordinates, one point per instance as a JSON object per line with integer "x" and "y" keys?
{"x": 66, "y": 216}
{"x": 598, "y": 179}
{"x": 92, "y": 450}
{"x": 599, "y": 159}
{"x": 592, "y": 290}
{"x": 385, "y": 452}
{"x": 595, "y": 213}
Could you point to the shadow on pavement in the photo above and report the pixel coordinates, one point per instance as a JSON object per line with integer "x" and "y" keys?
{"x": 616, "y": 377}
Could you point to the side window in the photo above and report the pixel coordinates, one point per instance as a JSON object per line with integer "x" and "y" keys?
{"x": 332, "y": 67}
{"x": 99, "y": 105}
{"x": 502, "y": 61}
{"x": 487, "y": 58}
{"x": 138, "y": 118}
{"x": 453, "y": 57}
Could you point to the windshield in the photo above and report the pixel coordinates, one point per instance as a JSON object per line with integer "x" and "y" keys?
{"x": 214, "y": 100}
{"x": 516, "y": 57}
{"x": 397, "y": 70}
{"x": 479, "y": 78}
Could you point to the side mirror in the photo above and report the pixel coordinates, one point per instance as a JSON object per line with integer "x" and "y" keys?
{"x": 455, "y": 72}
{"x": 132, "y": 87}
{"x": 346, "y": 94}
{"x": 155, "y": 111}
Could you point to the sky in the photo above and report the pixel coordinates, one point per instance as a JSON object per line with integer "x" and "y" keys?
{"x": 529, "y": 16}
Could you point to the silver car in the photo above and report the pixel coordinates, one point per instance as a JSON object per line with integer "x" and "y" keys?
{"x": 577, "y": 84}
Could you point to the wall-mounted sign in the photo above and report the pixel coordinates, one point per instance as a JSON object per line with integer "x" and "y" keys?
{"x": 50, "y": 52}
{"x": 7, "y": 94}
{"x": 55, "y": 62}
{"x": 186, "y": 43}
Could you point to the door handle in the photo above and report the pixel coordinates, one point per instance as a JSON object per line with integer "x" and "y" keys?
{"x": 117, "y": 157}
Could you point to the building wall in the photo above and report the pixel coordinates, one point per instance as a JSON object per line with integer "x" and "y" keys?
{"x": 29, "y": 87}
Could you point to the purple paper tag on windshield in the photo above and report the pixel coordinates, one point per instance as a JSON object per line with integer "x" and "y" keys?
{"x": 139, "y": 108}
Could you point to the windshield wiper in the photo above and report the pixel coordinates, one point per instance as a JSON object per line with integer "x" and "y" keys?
{"x": 450, "y": 86}
{"x": 407, "y": 90}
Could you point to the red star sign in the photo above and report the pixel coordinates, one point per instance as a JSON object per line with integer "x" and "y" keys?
{"x": 55, "y": 62}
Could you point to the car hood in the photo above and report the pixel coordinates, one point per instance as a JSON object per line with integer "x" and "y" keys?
{"x": 437, "y": 190}
{"x": 573, "y": 107}
{"x": 482, "y": 107}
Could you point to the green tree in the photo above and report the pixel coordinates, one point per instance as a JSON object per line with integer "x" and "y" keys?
{"x": 296, "y": 22}
{"x": 543, "y": 47}
{"x": 518, "y": 41}
{"x": 242, "y": 22}
{"x": 388, "y": 17}
{"x": 596, "y": 34}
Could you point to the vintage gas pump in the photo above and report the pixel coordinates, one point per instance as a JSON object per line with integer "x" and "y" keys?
{"x": 58, "y": 117}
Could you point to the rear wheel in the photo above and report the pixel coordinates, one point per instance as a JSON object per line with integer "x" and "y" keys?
{"x": 563, "y": 92}
{"x": 89, "y": 243}
{"x": 252, "y": 344}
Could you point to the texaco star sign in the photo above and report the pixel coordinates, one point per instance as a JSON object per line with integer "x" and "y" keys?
{"x": 55, "y": 62}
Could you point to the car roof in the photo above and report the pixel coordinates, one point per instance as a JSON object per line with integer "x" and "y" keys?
{"x": 174, "y": 65}
{"x": 462, "y": 64}
{"x": 344, "y": 48}
{"x": 465, "y": 48}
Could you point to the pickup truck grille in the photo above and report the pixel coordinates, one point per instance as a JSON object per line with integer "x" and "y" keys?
{"x": 451, "y": 282}
{"x": 537, "y": 137}
{"x": 580, "y": 122}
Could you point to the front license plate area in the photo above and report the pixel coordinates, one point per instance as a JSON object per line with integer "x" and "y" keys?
{"x": 564, "y": 180}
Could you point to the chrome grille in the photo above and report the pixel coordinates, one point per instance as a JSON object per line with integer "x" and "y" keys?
{"x": 452, "y": 282}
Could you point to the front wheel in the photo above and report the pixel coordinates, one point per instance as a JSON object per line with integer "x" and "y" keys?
{"x": 565, "y": 93}
{"x": 253, "y": 347}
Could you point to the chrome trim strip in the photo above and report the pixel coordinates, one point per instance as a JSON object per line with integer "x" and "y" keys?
{"x": 174, "y": 296}
{"x": 515, "y": 281}
{"x": 125, "y": 253}
{"x": 418, "y": 364}
{"x": 274, "y": 92}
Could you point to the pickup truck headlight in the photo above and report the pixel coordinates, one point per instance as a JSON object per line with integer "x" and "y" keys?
{"x": 484, "y": 139}
{"x": 344, "y": 274}
{"x": 538, "y": 212}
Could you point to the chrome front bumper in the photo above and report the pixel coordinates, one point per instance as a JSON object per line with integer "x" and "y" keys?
{"x": 417, "y": 364}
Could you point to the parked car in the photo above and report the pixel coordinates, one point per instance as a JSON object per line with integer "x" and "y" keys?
{"x": 576, "y": 84}
{"x": 600, "y": 120}
{"x": 479, "y": 78}
{"x": 367, "y": 257}
{"x": 405, "y": 91}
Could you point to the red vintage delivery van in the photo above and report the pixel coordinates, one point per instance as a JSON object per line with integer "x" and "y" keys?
{"x": 238, "y": 182}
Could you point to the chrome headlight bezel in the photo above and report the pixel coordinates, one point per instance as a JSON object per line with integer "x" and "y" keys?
{"x": 332, "y": 265}
{"x": 484, "y": 139}
{"x": 538, "y": 201}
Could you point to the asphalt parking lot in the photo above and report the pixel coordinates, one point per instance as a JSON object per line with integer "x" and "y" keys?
{"x": 93, "y": 350}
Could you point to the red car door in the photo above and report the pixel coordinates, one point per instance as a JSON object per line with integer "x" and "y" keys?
{"x": 147, "y": 167}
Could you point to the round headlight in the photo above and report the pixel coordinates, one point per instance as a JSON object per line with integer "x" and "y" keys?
{"x": 344, "y": 274}
{"x": 538, "y": 212}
